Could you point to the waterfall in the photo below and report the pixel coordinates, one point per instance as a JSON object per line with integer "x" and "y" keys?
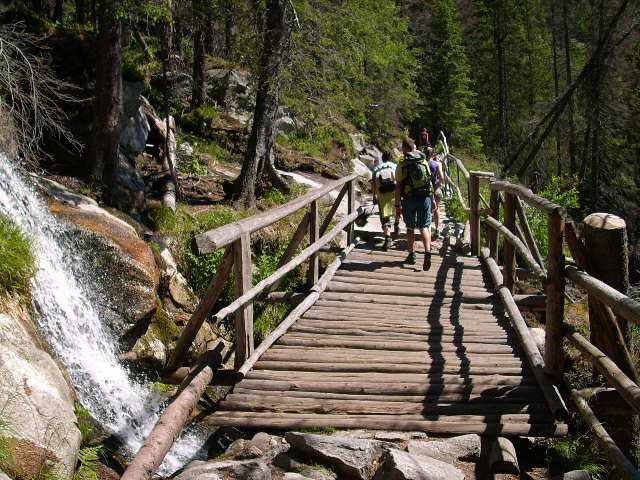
{"x": 70, "y": 323}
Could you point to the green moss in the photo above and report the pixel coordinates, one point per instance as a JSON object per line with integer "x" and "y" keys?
{"x": 163, "y": 328}
{"x": 17, "y": 263}
{"x": 200, "y": 120}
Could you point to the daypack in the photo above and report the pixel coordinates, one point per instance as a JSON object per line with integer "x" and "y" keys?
{"x": 386, "y": 179}
{"x": 417, "y": 175}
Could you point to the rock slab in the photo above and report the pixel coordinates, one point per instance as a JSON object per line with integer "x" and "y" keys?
{"x": 219, "y": 470}
{"x": 460, "y": 448}
{"x": 351, "y": 457}
{"x": 399, "y": 465}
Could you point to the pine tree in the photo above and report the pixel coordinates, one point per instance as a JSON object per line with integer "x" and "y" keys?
{"x": 446, "y": 81}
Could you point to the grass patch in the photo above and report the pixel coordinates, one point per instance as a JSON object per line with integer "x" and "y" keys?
{"x": 17, "y": 263}
{"x": 327, "y": 430}
{"x": 578, "y": 453}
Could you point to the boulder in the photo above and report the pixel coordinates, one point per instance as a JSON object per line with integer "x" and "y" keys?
{"x": 235, "y": 469}
{"x": 351, "y": 457}
{"x": 135, "y": 131}
{"x": 373, "y": 152}
{"x": 181, "y": 293}
{"x": 151, "y": 349}
{"x": 399, "y": 465}
{"x": 318, "y": 474}
{"x": 36, "y": 399}
{"x": 361, "y": 168}
{"x": 358, "y": 141}
{"x": 230, "y": 89}
{"x": 538, "y": 335}
{"x": 461, "y": 448}
{"x": 119, "y": 258}
{"x": 269, "y": 445}
{"x": 574, "y": 475}
{"x": 294, "y": 476}
{"x": 128, "y": 190}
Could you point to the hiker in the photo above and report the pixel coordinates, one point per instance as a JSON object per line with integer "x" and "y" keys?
{"x": 436, "y": 178}
{"x": 424, "y": 139}
{"x": 413, "y": 199}
{"x": 383, "y": 184}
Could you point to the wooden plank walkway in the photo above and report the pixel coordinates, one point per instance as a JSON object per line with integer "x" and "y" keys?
{"x": 388, "y": 346}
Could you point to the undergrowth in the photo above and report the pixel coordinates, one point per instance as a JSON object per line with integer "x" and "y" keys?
{"x": 320, "y": 141}
{"x": 576, "y": 453}
{"x": 17, "y": 263}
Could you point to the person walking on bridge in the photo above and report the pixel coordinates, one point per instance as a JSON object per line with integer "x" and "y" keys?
{"x": 436, "y": 177}
{"x": 413, "y": 199}
{"x": 383, "y": 184}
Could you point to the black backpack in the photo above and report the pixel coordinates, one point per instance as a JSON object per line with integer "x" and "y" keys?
{"x": 417, "y": 175}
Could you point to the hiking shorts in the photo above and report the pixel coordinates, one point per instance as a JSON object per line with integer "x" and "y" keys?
{"x": 416, "y": 212}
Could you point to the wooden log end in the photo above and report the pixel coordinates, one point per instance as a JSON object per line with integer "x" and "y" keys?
{"x": 605, "y": 221}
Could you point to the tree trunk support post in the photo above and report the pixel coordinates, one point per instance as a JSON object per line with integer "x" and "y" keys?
{"x": 314, "y": 235}
{"x": 605, "y": 238}
{"x": 493, "y": 233}
{"x": 351, "y": 206}
{"x": 244, "y": 315}
{"x": 509, "y": 255}
{"x": 554, "y": 356}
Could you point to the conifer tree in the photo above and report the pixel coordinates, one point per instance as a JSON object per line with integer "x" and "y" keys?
{"x": 446, "y": 81}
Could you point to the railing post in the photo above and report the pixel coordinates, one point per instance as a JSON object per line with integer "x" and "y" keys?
{"x": 494, "y": 203}
{"x": 351, "y": 206}
{"x": 474, "y": 217}
{"x": 554, "y": 356}
{"x": 244, "y": 315}
{"x": 509, "y": 253}
{"x": 314, "y": 234}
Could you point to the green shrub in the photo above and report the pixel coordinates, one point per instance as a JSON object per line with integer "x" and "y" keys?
{"x": 560, "y": 190}
{"x": 575, "y": 454}
{"x": 320, "y": 141}
{"x": 199, "y": 121}
{"x": 192, "y": 166}
{"x": 17, "y": 263}
{"x": 455, "y": 210}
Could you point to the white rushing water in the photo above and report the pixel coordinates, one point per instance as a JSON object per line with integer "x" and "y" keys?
{"x": 71, "y": 324}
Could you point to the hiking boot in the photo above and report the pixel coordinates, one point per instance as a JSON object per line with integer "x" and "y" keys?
{"x": 385, "y": 245}
{"x": 427, "y": 261}
{"x": 411, "y": 258}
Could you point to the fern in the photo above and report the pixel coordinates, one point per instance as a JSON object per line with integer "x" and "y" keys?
{"x": 88, "y": 457}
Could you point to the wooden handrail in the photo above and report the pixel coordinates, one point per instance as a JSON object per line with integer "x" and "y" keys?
{"x": 460, "y": 165}
{"x": 212, "y": 240}
{"x": 529, "y": 197}
{"x": 620, "y": 303}
{"x": 539, "y": 270}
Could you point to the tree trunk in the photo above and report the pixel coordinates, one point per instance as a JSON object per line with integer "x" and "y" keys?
{"x": 499, "y": 38}
{"x": 569, "y": 81}
{"x": 267, "y": 102}
{"x": 94, "y": 13}
{"x": 57, "y": 10}
{"x": 168, "y": 160}
{"x": 197, "y": 93}
{"x": 81, "y": 11}
{"x": 595, "y": 104}
{"x": 229, "y": 33}
{"x": 556, "y": 83}
{"x": 106, "y": 133}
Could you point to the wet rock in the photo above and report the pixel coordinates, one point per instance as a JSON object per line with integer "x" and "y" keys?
{"x": 351, "y": 457}
{"x": 118, "y": 256}
{"x": 574, "y": 475}
{"x": 36, "y": 399}
{"x": 399, "y": 436}
{"x": 399, "y": 465}
{"x": 234, "y": 469}
{"x": 461, "y": 448}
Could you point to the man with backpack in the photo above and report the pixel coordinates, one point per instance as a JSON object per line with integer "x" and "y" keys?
{"x": 413, "y": 199}
{"x": 383, "y": 184}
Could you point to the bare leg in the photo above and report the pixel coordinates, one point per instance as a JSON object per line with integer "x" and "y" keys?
{"x": 410, "y": 239}
{"x": 426, "y": 238}
{"x": 436, "y": 212}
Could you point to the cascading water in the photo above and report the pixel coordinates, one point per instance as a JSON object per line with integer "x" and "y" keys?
{"x": 72, "y": 327}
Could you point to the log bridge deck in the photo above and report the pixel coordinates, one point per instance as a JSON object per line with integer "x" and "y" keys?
{"x": 389, "y": 346}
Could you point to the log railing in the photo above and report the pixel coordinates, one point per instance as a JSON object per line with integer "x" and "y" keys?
{"x": 236, "y": 239}
{"x": 552, "y": 273}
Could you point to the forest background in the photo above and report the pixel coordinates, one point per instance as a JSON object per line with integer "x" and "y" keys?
{"x": 537, "y": 88}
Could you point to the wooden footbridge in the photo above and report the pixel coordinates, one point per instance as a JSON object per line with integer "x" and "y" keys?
{"x": 377, "y": 343}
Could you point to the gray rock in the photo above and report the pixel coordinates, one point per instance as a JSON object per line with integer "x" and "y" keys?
{"x": 352, "y": 457}
{"x": 574, "y": 475}
{"x": 360, "y": 168}
{"x": 185, "y": 149}
{"x": 36, "y": 398}
{"x": 4, "y": 476}
{"x": 358, "y": 142}
{"x": 294, "y": 476}
{"x": 538, "y": 335}
{"x": 135, "y": 131}
{"x": 214, "y": 470}
{"x": 373, "y": 152}
{"x": 361, "y": 434}
{"x": 399, "y": 436}
{"x": 231, "y": 89}
{"x": 399, "y": 465}
{"x": 181, "y": 293}
{"x": 463, "y": 447}
{"x": 269, "y": 445}
{"x": 318, "y": 474}
{"x": 286, "y": 461}
{"x": 127, "y": 192}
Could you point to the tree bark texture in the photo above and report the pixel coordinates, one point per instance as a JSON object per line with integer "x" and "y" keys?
{"x": 57, "y": 10}
{"x": 81, "y": 11}
{"x": 267, "y": 102}
{"x": 198, "y": 93}
{"x": 106, "y": 133}
{"x": 569, "y": 81}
